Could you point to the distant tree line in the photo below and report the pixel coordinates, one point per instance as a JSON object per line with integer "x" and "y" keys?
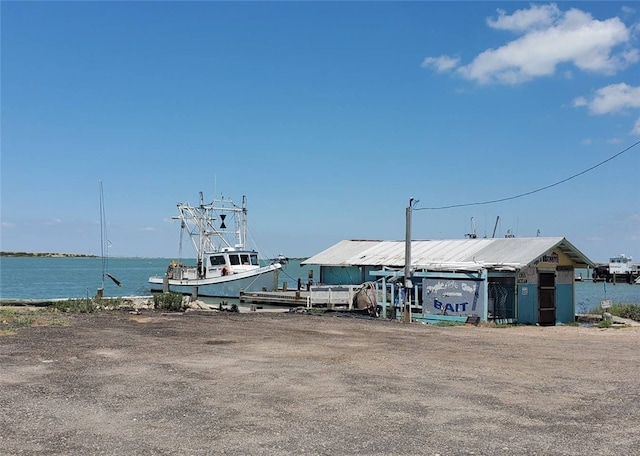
{"x": 45, "y": 254}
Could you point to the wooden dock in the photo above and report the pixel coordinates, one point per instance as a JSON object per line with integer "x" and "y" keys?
{"x": 329, "y": 296}
{"x": 292, "y": 298}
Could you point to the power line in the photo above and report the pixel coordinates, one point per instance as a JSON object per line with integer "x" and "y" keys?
{"x": 481, "y": 203}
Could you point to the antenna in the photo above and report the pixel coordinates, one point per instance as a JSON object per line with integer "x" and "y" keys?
{"x": 495, "y": 227}
{"x": 473, "y": 234}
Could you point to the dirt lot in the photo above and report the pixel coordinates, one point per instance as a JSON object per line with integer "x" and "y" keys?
{"x": 119, "y": 384}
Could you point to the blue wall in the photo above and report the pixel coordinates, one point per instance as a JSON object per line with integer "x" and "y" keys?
{"x": 565, "y": 311}
{"x": 528, "y": 304}
{"x": 340, "y": 275}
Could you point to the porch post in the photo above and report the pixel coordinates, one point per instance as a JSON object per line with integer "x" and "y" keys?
{"x": 407, "y": 264}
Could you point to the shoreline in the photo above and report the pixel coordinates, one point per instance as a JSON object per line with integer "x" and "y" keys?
{"x": 45, "y": 255}
{"x": 146, "y": 303}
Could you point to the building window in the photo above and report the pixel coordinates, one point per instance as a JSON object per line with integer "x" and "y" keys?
{"x": 501, "y": 298}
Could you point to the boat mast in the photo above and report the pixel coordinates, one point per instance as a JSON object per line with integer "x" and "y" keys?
{"x": 243, "y": 224}
{"x": 104, "y": 245}
{"x": 102, "y": 236}
{"x": 202, "y": 233}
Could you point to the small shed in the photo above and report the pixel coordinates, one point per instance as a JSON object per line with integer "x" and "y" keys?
{"x": 528, "y": 280}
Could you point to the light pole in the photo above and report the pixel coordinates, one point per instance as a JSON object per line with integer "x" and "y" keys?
{"x": 408, "y": 285}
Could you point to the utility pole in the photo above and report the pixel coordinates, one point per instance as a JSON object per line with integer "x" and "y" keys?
{"x": 408, "y": 285}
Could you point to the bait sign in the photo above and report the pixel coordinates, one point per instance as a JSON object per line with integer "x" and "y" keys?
{"x": 453, "y": 296}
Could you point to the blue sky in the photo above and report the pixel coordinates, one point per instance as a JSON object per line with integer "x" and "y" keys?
{"x": 328, "y": 116}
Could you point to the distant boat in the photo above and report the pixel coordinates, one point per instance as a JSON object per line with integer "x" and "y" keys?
{"x": 619, "y": 269}
{"x": 280, "y": 259}
{"x": 620, "y": 264}
{"x": 225, "y": 265}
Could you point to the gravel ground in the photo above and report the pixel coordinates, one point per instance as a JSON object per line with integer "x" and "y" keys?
{"x": 277, "y": 383}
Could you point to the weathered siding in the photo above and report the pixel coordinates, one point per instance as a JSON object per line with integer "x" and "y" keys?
{"x": 565, "y": 310}
{"x": 340, "y": 275}
{"x": 527, "y": 304}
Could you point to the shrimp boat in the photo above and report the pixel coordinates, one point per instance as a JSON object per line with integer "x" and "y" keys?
{"x": 224, "y": 265}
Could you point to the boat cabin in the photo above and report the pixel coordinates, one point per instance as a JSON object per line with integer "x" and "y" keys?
{"x": 216, "y": 264}
{"x": 230, "y": 261}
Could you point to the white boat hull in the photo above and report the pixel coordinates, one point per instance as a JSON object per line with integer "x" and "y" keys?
{"x": 264, "y": 278}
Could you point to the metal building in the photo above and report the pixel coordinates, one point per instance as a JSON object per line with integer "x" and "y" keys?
{"x": 528, "y": 280}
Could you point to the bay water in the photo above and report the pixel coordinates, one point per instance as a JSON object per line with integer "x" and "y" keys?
{"x": 62, "y": 278}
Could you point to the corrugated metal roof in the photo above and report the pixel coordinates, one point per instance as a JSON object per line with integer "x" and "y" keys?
{"x": 455, "y": 254}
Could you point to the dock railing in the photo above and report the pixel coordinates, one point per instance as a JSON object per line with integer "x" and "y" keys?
{"x": 329, "y": 296}
{"x": 333, "y": 295}
{"x": 284, "y": 298}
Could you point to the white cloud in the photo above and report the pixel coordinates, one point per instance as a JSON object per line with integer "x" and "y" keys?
{"x": 587, "y": 142}
{"x": 147, "y": 228}
{"x": 442, "y": 64}
{"x": 549, "y": 38}
{"x": 535, "y": 17}
{"x": 8, "y": 225}
{"x": 54, "y": 221}
{"x": 630, "y": 55}
{"x": 612, "y": 98}
{"x": 614, "y": 141}
{"x": 580, "y": 101}
{"x": 627, "y": 10}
